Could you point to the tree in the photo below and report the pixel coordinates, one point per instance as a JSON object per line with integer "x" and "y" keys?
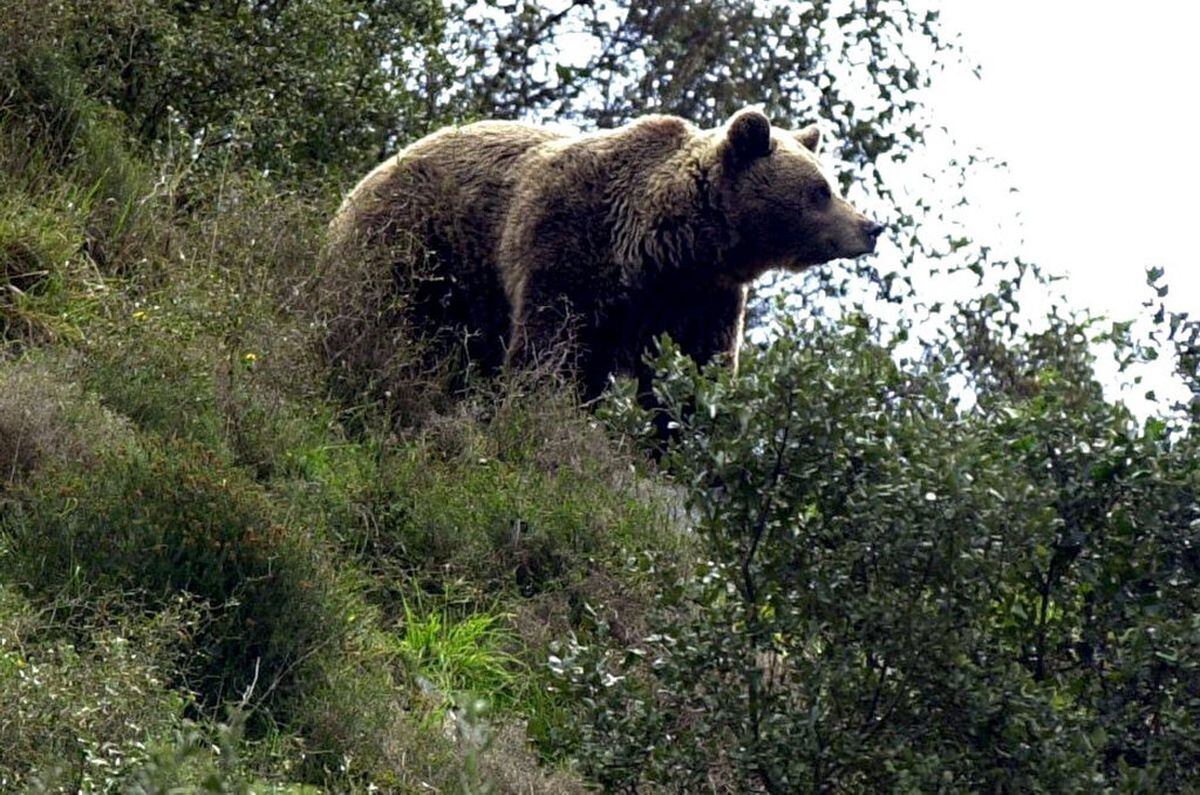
{"x": 296, "y": 88}
{"x": 860, "y": 66}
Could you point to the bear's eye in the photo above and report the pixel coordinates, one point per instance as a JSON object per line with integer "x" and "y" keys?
{"x": 819, "y": 194}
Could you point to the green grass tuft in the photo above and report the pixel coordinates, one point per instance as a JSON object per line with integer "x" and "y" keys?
{"x": 460, "y": 655}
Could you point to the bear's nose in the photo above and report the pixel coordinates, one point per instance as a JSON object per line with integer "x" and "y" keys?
{"x": 874, "y": 229}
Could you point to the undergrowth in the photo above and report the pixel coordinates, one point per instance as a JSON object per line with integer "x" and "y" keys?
{"x": 214, "y": 575}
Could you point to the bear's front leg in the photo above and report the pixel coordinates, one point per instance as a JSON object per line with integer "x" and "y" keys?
{"x": 705, "y": 321}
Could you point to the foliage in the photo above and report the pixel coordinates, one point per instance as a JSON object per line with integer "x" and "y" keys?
{"x": 610, "y": 62}
{"x": 866, "y": 562}
{"x": 290, "y": 87}
{"x": 203, "y": 759}
{"x": 91, "y": 706}
{"x": 860, "y": 68}
{"x": 900, "y": 594}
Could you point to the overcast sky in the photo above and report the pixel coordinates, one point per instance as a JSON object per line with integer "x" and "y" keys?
{"x": 1095, "y": 106}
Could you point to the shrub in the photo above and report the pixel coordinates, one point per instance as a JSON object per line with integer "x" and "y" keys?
{"x": 293, "y": 90}
{"x": 92, "y": 707}
{"x": 169, "y": 519}
{"x": 899, "y": 595}
{"x": 46, "y": 420}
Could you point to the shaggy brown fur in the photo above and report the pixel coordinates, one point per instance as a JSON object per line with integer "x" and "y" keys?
{"x": 608, "y": 239}
{"x": 411, "y": 278}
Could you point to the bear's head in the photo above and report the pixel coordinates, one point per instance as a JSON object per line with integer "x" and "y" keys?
{"x": 784, "y": 211}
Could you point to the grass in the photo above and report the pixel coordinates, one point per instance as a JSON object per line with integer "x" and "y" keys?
{"x": 459, "y": 655}
{"x": 215, "y": 574}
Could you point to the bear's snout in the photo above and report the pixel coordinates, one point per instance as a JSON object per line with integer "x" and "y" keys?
{"x": 871, "y": 230}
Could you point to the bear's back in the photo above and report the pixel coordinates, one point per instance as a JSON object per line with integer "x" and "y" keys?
{"x": 424, "y": 226}
{"x": 453, "y": 184}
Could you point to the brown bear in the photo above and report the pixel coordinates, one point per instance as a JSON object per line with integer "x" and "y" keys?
{"x": 518, "y": 238}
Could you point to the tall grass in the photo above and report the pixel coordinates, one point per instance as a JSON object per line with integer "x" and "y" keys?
{"x": 201, "y": 548}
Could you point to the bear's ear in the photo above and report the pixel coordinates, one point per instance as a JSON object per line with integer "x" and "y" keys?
{"x": 749, "y": 135}
{"x": 809, "y": 137}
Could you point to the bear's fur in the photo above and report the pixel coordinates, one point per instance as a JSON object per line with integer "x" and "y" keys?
{"x": 412, "y": 280}
{"x": 605, "y": 240}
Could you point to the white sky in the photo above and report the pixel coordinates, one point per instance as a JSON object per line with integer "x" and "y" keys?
{"x": 1096, "y": 108}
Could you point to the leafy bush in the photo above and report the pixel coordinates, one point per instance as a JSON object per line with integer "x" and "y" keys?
{"x": 899, "y": 594}
{"x": 291, "y": 89}
{"x": 93, "y": 707}
{"x": 47, "y": 420}
{"x": 204, "y": 759}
